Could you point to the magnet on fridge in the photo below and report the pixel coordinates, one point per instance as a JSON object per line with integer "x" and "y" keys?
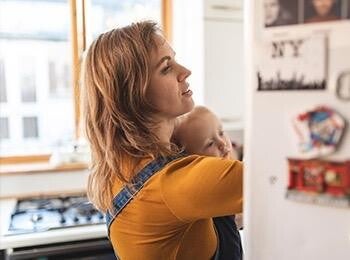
{"x": 320, "y": 182}
{"x": 343, "y": 86}
{"x": 319, "y": 131}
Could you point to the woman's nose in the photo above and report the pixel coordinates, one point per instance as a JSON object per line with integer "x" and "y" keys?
{"x": 184, "y": 73}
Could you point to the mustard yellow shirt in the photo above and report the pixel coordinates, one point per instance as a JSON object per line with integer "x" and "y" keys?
{"x": 170, "y": 218}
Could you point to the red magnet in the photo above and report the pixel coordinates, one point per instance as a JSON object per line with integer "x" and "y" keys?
{"x": 318, "y": 181}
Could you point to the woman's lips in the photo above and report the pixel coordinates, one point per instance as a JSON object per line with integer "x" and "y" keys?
{"x": 187, "y": 93}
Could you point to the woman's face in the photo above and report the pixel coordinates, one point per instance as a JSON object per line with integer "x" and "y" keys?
{"x": 323, "y": 7}
{"x": 272, "y": 9}
{"x": 168, "y": 90}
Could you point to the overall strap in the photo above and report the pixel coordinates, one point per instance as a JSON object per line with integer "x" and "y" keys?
{"x": 128, "y": 192}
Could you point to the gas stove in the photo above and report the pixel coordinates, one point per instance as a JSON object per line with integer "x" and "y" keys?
{"x": 43, "y": 214}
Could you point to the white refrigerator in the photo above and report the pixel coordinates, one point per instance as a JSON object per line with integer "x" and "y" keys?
{"x": 297, "y": 187}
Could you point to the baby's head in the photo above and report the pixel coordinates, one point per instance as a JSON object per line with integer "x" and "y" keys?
{"x": 200, "y": 132}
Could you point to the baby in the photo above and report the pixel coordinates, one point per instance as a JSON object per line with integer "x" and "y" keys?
{"x": 200, "y": 132}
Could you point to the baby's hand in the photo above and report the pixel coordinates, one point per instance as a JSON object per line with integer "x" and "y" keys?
{"x": 239, "y": 221}
{"x": 232, "y": 155}
{"x": 237, "y": 151}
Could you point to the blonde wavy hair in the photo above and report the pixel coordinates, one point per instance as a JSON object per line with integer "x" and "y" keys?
{"x": 118, "y": 118}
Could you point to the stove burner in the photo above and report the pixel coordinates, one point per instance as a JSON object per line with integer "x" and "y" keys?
{"x": 34, "y": 215}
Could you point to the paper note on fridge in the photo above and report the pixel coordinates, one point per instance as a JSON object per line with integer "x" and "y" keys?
{"x": 293, "y": 64}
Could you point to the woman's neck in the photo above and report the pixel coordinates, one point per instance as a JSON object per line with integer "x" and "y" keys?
{"x": 164, "y": 130}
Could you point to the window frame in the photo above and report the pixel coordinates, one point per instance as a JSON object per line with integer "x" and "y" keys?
{"x": 78, "y": 44}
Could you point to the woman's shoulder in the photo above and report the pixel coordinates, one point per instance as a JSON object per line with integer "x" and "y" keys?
{"x": 188, "y": 169}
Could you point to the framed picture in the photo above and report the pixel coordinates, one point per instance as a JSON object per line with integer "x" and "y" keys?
{"x": 322, "y": 10}
{"x": 286, "y": 12}
{"x": 280, "y": 12}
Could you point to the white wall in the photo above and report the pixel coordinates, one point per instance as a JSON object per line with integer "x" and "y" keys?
{"x": 208, "y": 39}
{"x": 188, "y": 42}
{"x": 223, "y": 59}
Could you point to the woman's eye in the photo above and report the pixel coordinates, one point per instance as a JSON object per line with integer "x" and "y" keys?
{"x": 166, "y": 69}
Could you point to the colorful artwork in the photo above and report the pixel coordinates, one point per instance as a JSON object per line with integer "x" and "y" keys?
{"x": 319, "y": 131}
{"x": 318, "y": 181}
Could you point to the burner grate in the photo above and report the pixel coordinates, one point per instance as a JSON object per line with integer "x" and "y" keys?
{"x": 43, "y": 214}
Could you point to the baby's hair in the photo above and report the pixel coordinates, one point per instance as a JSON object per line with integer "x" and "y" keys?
{"x": 194, "y": 114}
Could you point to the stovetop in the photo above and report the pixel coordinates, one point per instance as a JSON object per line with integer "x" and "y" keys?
{"x": 43, "y": 214}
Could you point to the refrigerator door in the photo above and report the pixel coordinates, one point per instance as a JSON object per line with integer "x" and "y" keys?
{"x": 277, "y": 227}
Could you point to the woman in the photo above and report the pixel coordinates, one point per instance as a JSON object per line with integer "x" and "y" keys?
{"x": 158, "y": 202}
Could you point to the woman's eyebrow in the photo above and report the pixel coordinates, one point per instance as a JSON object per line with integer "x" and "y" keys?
{"x": 166, "y": 57}
{"x": 162, "y": 60}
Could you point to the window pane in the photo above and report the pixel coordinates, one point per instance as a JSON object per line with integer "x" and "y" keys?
{"x": 27, "y": 80}
{"x": 36, "y": 52}
{"x": 3, "y": 94}
{"x": 59, "y": 78}
{"x": 108, "y": 14}
{"x": 4, "y": 128}
{"x": 30, "y": 127}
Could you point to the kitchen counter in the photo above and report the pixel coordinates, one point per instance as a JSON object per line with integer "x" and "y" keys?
{"x": 46, "y": 237}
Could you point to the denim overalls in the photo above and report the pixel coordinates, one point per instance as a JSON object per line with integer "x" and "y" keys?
{"x": 127, "y": 193}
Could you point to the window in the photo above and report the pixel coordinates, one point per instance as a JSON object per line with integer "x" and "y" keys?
{"x": 33, "y": 33}
{"x": 59, "y": 79}
{"x": 30, "y": 127}
{"x": 41, "y": 43}
{"x": 27, "y": 80}
{"x": 3, "y": 94}
{"x": 4, "y": 128}
{"x": 107, "y": 14}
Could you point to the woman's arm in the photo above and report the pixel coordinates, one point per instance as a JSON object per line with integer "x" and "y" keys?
{"x": 197, "y": 187}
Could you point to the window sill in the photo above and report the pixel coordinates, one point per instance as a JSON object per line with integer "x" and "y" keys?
{"x": 33, "y": 168}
